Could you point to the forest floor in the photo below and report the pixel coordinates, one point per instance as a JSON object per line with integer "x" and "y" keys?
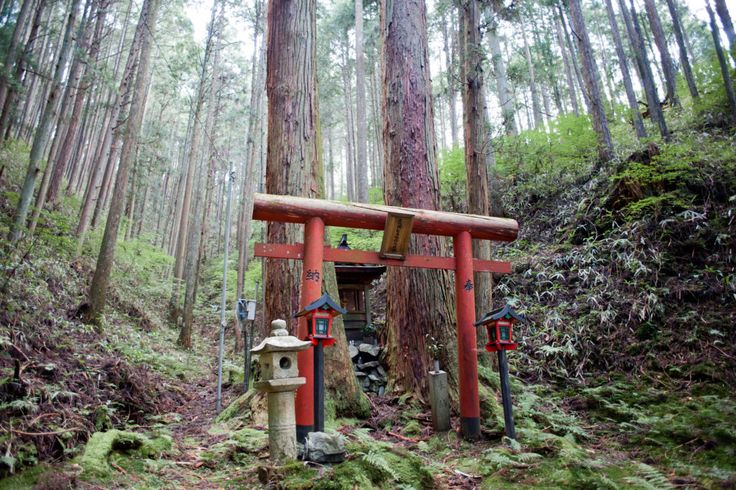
{"x": 624, "y": 378}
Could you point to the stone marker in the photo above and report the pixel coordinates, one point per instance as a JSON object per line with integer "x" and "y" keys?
{"x": 440, "y": 400}
{"x": 280, "y": 379}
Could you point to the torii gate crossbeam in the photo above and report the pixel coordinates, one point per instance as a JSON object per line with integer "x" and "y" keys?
{"x": 463, "y": 228}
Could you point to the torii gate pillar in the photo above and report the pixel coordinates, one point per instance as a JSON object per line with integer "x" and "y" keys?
{"x": 467, "y": 348}
{"x": 311, "y": 290}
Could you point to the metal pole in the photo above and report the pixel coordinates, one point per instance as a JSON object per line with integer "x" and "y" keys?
{"x": 247, "y": 346}
{"x": 508, "y": 414}
{"x": 319, "y": 387}
{"x": 223, "y": 302}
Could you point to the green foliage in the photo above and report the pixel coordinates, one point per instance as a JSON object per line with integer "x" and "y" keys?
{"x": 358, "y": 239}
{"x": 452, "y": 179}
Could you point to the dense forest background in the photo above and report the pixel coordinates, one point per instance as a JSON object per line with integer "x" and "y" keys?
{"x": 605, "y": 128}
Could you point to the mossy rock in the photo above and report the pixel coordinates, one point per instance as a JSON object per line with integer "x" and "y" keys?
{"x": 95, "y": 459}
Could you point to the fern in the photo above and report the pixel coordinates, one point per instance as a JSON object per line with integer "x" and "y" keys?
{"x": 648, "y": 477}
{"x": 376, "y": 460}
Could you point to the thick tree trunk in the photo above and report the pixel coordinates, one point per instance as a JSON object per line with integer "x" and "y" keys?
{"x": 419, "y": 302}
{"x": 684, "y": 60}
{"x": 573, "y": 57}
{"x": 293, "y": 167}
{"x": 478, "y": 149}
{"x": 45, "y": 127}
{"x": 361, "y": 132}
{"x": 98, "y": 289}
{"x": 592, "y": 82}
{"x": 623, "y": 64}
{"x": 668, "y": 67}
{"x": 725, "y": 67}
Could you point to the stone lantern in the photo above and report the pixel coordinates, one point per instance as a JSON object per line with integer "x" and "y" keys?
{"x": 280, "y": 379}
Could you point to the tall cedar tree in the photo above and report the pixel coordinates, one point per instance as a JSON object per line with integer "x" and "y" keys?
{"x": 98, "y": 289}
{"x": 294, "y": 167}
{"x": 419, "y": 305}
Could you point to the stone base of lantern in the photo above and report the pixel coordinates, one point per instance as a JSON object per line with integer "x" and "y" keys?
{"x": 281, "y": 418}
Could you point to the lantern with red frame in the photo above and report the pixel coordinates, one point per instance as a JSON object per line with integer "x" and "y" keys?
{"x": 499, "y": 324}
{"x": 319, "y": 315}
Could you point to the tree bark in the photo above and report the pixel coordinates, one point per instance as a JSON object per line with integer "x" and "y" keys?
{"x": 18, "y": 38}
{"x": 98, "y": 289}
{"x": 419, "y": 302}
{"x": 536, "y": 106}
{"x": 591, "y": 78}
{"x": 623, "y": 64}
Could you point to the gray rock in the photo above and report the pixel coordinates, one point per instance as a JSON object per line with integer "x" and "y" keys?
{"x": 373, "y": 377}
{"x": 381, "y": 372}
{"x": 368, "y": 365}
{"x": 320, "y": 447}
{"x": 381, "y": 390}
{"x": 353, "y": 351}
{"x": 360, "y": 374}
{"x": 366, "y": 382}
{"x": 371, "y": 350}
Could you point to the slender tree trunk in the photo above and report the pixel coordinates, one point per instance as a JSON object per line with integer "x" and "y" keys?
{"x": 361, "y": 137}
{"x": 668, "y": 67}
{"x": 14, "y": 48}
{"x": 592, "y": 84}
{"x": 573, "y": 57}
{"x": 623, "y": 64}
{"x": 45, "y": 128}
{"x": 684, "y": 60}
{"x": 192, "y": 156}
{"x": 419, "y": 307}
{"x": 725, "y": 67}
{"x": 642, "y": 60}
{"x": 98, "y": 289}
{"x": 349, "y": 126}
{"x": 505, "y": 97}
{"x": 572, "y": 93}
{"x": 450, "y": 80}
{"x": 536, "y": 106}
{"x": 725, "y": 17}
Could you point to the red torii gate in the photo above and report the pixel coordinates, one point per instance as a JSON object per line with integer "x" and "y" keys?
{"x": 316, "y": 213}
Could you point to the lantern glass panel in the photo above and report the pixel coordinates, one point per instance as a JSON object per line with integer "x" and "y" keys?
{"x": 505, "y": 333}
{"x": 491, "y": 333}
{"x": 321, "y": 326}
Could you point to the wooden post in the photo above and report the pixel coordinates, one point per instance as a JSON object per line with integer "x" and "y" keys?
{"x": 508, "y": 414}
{"x": 466, "y": 342}
{"x": 311, "y": 290}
